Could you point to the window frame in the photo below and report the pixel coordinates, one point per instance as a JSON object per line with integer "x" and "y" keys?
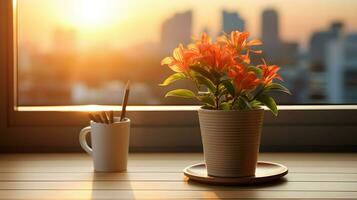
{"x": 154, "y": 128}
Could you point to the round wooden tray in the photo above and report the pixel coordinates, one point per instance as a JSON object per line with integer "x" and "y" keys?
{"x": 265, "y": 172}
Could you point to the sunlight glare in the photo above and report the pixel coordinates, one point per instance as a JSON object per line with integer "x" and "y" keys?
{"x": 97, "y": 13}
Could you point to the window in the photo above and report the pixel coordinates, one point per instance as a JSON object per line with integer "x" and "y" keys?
{"x": 81, "y": 52}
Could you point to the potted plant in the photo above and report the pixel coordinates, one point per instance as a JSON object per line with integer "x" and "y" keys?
{"x": 232, "y": 90}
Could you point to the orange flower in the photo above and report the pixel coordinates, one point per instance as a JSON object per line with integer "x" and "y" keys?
{"x": 238, "y": 40}
{"x": 181, "y": 59}
{"x": 243, "y": 80}
{"x": 203, "y": 43}
{"x": 237, "y": 43}
{"x": 269, "y": 73}
{"x": 213, "y": 55}
{"x": 216, "y": 57}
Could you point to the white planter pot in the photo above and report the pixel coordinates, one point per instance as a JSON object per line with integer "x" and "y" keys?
{"x": 231, "y": 141}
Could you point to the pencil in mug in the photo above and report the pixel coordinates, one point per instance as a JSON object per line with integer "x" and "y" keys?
{"x": 111, "y": 117}
{"x": 125, "y": 101}
{"x": 105, "y": 117}
{"x": 91, "y": 117}
{"x": 98, "y": 118}
{"x": 108, "y": 117}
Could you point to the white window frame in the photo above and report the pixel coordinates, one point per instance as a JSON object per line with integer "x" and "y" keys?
{"x": 154, "y": 128}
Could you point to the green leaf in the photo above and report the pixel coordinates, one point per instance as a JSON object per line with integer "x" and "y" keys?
{"x": 245, "y": 102}
{"x": 277, "y": 87}
{"x": 256, "y": 70}
{"x": 201, "y": 93}
{"x": 255, "y": 104}
{"x": 216, "y": 75}
{"x": 199, "y": 69}
{"x": 208, "y": 107}
{"x": 269, "y": 102}
{"x": 181, "y": 93}
{"x": 206, "y": 82}
{"x": 173, "y": 78}
{"x": 249, "y": 96}
{"x": 223, "y": 91}
{"x": 225, "y": 106}
{"x": 229, "y": 87}
{"x": 242, "y": 103}
{"x": 207, "y": 99}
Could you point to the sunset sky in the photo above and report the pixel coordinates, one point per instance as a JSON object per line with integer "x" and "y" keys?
{"x": 122, "y": 23}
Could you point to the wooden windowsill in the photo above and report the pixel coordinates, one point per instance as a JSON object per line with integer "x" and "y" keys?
{"x": 159, "y": 175}
{"x": 86, "y": 108}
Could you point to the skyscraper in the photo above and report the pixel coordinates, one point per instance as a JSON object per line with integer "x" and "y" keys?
{"x": 323, "y": 66}
{"x": 318, "y": 45}
{"x": 176, "y": 30}
{"x": 282, "y": 53}
{"x": 270, "y": 27}
{"x": 270, "y": 35}
{"x": 341, "y": 70}
{"x": 275, "y": 49}
{"x": 232, "y": 22}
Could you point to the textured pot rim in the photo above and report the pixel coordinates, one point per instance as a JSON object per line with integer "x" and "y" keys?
{"x": 226, "y": 111}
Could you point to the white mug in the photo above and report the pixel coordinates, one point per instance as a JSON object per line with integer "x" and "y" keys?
{"x": 110, "y": 144}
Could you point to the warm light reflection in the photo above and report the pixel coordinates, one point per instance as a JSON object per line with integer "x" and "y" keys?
{"x": 86, "y": 108}
{"x": 14, "y": 3}
{"x": 94, "y": 13}
{"x": 89, "y": 108}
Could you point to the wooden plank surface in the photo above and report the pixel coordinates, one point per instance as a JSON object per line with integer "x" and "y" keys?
{"x": 159, "y": 176}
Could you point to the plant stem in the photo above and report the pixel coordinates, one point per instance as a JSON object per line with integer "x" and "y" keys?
{"x": 235, "y": 98}
{"x": 258, "y": 93}
{"x": 194, "y": 81}
{"x": 217, "y": 95}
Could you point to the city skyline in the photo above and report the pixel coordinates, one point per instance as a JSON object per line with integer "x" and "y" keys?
{"x": 73, "y": 75}
{"x": 292, "y": 14}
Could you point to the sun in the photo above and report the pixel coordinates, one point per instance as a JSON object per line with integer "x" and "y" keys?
{"x": 94, "y": 12}
{"x": 97, "y": 13}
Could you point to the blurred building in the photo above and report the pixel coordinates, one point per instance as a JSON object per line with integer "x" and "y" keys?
{"x": 319, "y": 74}
{"x": 341, "y": 70}
{"x": 318, "y": 45}
{"x": 111, "y": 92}
{"x": 275, "y": 49}
{"x": 176, "y": 30}
{"x": 65, "y": 40}
{"x": 270, "y": 27}
{"x": 231, "y": 21}
{"x": 286, "y": 55}
{"x": 49, "y": 82}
